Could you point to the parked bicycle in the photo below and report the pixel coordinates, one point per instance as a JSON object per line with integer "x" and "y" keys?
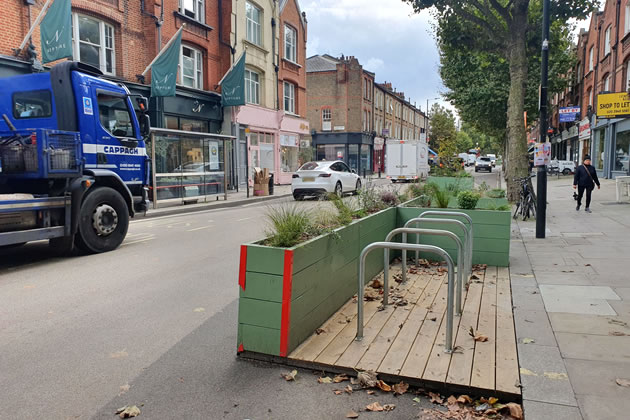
{"x": 526, "y": 205}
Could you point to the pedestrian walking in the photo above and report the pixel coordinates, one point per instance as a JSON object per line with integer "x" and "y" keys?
{"x": 584, "y": 180}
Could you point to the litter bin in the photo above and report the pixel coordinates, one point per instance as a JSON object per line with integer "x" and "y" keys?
{"x": 270, "y": 183}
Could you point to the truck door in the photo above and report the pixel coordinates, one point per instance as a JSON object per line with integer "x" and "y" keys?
{"x": 118, "y": 147}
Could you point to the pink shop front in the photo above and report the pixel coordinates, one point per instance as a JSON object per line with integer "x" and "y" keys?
{"x": 273, "y": 140}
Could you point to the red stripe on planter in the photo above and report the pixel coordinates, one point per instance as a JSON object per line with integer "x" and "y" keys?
{"x": 241, "y": 349}
{"x": 287, "y": 280}
{"x": 243, "y": 267}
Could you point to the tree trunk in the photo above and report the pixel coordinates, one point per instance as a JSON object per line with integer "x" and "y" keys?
{"x": 516, "y": 135}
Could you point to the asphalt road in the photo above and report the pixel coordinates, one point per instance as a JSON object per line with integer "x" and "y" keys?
{"x": 492, "y": 179}
{"x": 152, "y": 324}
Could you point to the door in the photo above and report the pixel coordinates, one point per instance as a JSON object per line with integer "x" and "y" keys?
{"x": 116, "y": 136}
{"x": 348, "y": 177}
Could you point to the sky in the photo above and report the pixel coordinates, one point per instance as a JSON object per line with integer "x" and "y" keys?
{"x": 385, "y": 36}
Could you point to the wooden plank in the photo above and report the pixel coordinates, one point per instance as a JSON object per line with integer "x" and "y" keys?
{"x": 313, "y": 346}
{"x": 439, "y": 361}
{"x": 393, "y": 361}
{"x": 461, "y": 361}
{"x": 507, "y": 376}
{"x": 483, "y": 372}
{"x": 392, "y": 328}
{"x": 419, "y": 354}
{"x": 374, "y": 328}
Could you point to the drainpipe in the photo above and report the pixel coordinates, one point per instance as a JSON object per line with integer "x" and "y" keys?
{"x": 615, "y": 46}
{"x": 276, "y": 67}
{"x": 221, "y": 39}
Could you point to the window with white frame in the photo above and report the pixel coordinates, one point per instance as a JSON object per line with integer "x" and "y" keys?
{"x": 590, "y": 59}
{"x": 253, "y": 18}
{"x": 93, "y": 43}
{"x": 191, "y": 67}
{"x": 194, "y": 9}
{"x": 590, "y": 97}
{"x": 290, "y": 43}
{"x": 326, "y": 119}
{"x": 289, "y": 97}
{"x": 607, "y": 41}
{"x": 252, "y": 87}
{"x": 627, "y": 85}
{"x": 607, "y": 83}
{"x": 627, "y": 20}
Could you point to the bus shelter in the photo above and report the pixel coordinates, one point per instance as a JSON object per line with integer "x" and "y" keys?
{"x": 187, "y": 167}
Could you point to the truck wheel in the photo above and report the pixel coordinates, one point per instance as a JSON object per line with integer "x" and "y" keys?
{"x": 103, "y": 221}
{"x": 566, "y": 171}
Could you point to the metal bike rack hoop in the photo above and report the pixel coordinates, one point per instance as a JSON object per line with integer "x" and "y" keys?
{"x": 411, "y": 247}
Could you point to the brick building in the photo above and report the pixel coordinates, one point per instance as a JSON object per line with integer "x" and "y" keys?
{"x": 341, "y": 109}
{"x": 602, "y": 65}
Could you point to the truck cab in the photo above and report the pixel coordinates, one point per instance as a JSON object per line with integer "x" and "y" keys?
{"x": 108, "y": 183}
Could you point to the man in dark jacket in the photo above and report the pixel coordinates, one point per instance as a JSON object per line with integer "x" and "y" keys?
{"x": 584, "y": 180}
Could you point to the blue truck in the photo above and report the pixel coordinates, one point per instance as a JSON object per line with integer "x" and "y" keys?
{"x": 73, "y": 161}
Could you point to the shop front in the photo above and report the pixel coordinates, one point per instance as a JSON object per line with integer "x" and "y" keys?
{"x": 293, "y": 145}
{"x": 620, "y": 152}
{"x": 355, "y": 149}
{"x": 610, "y": 149}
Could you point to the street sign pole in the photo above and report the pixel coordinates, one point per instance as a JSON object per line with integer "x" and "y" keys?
{"x": 541, "y": 207}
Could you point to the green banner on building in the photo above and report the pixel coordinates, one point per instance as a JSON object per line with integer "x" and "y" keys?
{"x": 233, "y": 85}
{"x": 164, "y": 70}
{"x": 56, "y": 32}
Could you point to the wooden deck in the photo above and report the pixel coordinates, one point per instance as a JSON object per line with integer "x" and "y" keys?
{"x": 407, "y": 342}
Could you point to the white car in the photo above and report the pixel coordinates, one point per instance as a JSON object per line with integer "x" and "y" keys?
{"x": 565, "y": 167}
{"x": 319, "y": 178}
{"x": 493, "y": 158}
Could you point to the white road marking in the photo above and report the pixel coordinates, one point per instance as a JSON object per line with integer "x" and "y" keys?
{"x": 138, "y": 241}
{"x": 199, "y": 228}
{"x": 245, "y": 218}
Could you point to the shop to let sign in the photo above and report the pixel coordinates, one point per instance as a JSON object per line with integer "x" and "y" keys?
{"x": 613, "y": 105}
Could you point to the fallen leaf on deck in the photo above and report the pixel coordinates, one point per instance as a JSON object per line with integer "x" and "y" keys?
{"x": 477, "y": 337}
{"x": 618, "y": 333}
{"x": 436, "y": 398}
{"x": 555, "y": 375}
{"x": 324, "y": 380}
{"x": 376, "y": 284}
{"x": 516, "y": 410}
{"x": 383, "y": 386}
{"x": 493, "y": 400}
{"x": 289, "y": 376}
{"x": 417, "y": 400}
{"x": 367, "y": 379}
{"x": 340, "y": 378}
{"x": 464, "y": 399}
{"x": 389, "y": 407}
{"x": 527, "y": 372}
{"x": 348, "y": 389}
{"x": 528, "y": 340}
{"x": 623, "y": 382}
{"x": 433, "y": 319}
{"x": 587, "y": 265}
{"x": 352, "y": 415}
{"x": 474, "y": 277}
{"x": 375, "y": 406}
{"x": 199, "y": 310}
{"x": 128, "y": 411}
{"x": 371, "y": 392}
{"x": 337, "y": 392}
{"x": 617, "y": 322}
{"x": 400, "y": 388}
{"x": 319, "y": 331}
{"x": 451, "y": 400}
{"x": 482, "y": 407}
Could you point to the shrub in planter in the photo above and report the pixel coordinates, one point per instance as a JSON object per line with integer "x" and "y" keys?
{"x": 289, "y": 224}
{"x": 389, "y": 198}
{"x": 467, "y": 200}
{"x": 442, "y": 196}
{"x": 496, "y": 193}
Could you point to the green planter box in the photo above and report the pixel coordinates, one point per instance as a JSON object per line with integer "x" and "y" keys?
{"x": 464, "y": 183}
{"x": 286, "y": 294}
{"x": 491, "y": 234}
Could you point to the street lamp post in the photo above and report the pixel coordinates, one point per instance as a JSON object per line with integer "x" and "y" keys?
{"x": 541, "y": 205}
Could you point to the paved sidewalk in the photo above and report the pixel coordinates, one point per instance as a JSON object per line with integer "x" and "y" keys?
{"x": 571, "y": 297}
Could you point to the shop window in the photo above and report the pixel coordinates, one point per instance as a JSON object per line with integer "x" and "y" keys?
{"x": 290, "y": 43}
{"x": 252, "y": 87}
{"x": 330, "y": 152}
{"x": 191, "y": 68}
{"x": 366, "y": 158}
{"x": 289, "y": 97}
{"x": 622, "y": 152}
{"x": 253, "y": 28}
{"x": 93, "y": 43}
{"x": 353, "y": 157}
{"x": 598, "y": 149}
{"x": 289, "y": 148}
{"x": 194, "y": 9}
